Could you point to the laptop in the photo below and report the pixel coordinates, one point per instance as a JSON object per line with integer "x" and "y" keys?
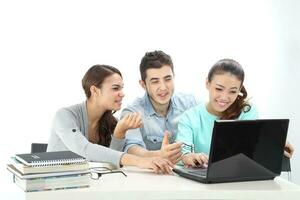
{"x": 242, "y": 150}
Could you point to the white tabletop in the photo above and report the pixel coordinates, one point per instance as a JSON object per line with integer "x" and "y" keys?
{"x": 143, "y": 184}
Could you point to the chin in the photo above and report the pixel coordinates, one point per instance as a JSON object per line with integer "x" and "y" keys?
{"x": 115, "y": 108}
{"x": 162, "y": 102}
{"x": 220, "y": 110}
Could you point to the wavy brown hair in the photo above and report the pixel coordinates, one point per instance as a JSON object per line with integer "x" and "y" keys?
{"x": 95, "y": 76}
{"x": 240, "y": 104}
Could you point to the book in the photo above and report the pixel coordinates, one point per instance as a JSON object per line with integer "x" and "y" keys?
{"x": 24, "y": 169}
{"x": 53, "y": 183}
{"x": 50, "y": 158}
{"x": 101, "y": 165}
{"x": 16, "y": 172}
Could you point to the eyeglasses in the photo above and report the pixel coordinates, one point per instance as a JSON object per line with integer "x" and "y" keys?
{"x": 190, "y": 147}
{"x": 97, "y": 172}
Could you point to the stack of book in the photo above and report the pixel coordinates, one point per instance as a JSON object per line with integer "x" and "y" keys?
{"x": 49, "y": 171}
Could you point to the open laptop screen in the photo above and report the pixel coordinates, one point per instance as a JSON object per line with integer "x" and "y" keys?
{"x": 247, "y": 148}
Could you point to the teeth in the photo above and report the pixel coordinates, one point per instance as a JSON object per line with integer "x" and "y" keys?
{"x": 163, "y": 95}
{"x": 222, "y": 103}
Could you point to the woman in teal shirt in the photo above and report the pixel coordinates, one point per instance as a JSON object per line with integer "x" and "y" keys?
{"x": 227, "y": 100}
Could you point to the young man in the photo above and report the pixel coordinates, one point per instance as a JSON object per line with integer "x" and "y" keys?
{"x": 159, "y": 109}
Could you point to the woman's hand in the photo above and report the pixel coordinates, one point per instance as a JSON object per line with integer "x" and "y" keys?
{"x": 195, "y": 160}
{"x": 157, "y": 164}
{"x": 288, "y": 150}
{"x": 129, "y": 121}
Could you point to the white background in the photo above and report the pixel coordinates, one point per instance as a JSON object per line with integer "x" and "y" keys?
{"x": 47, "y": 46}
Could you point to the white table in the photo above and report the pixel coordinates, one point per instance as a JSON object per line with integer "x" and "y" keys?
{"x": 143, "y": 184}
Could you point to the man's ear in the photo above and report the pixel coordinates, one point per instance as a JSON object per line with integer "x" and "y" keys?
{"x": 94, "y": 90}
{"x": 207, "y": 83}
{"x": 143, "y": 84}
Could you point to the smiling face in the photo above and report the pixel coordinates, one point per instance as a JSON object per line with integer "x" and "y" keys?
{"x": 111, "y": 93}
{"x": 223, "y": 90}
{"x": 159, "y": 85}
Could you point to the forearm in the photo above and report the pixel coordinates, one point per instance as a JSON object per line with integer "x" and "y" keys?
{"x": 139, "y": 151}
{"x": 130, "y": 160}
{"x": 117, "y": 144}
{"x": 119, "y": 133}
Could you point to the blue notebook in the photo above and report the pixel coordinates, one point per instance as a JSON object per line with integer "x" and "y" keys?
{"x": 50, "y": 158}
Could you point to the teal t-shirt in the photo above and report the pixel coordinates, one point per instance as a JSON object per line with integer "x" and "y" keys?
{"x": 196, "y": 124}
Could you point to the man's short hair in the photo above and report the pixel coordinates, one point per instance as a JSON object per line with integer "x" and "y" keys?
{"x": 154, "y": 59}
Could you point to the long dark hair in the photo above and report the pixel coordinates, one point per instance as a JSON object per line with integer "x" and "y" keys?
{"x": 240, "y": 104}
{"x": 95, "y": 76}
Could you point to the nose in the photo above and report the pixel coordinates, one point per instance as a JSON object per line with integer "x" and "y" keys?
{"x": 162, "y": 86}
{"x": 224, "y": 96}
{"x": 121, "y": 94}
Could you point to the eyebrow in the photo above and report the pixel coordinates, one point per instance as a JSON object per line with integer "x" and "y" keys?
{"x": 155, "y": 79}
{"x": 224, "y": 87}
{"x": 117, "y": 85}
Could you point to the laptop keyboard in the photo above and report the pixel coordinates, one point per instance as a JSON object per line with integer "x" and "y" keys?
{"x": 198, "y": 171}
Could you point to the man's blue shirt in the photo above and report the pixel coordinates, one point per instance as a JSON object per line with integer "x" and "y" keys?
{"x": 151, "y": 134}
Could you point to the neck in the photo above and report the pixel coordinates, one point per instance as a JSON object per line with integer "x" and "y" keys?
{"x": 94, "y": 112}
{"x": 161, "y": 109}
{"x": 212, "y": 111}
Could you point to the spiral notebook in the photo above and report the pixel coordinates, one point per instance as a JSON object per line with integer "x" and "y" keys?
{"x": 50, "y": 158}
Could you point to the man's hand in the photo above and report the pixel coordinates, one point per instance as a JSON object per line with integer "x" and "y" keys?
{"x": 172, "y": 152}
{"x": 129, "y": 121}
{"x": 195, "y": 160}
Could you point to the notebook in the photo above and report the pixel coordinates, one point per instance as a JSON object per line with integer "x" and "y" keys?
{"x": 21, "y": 175}
{"x": 24, "y": 169}
{"x": 50, "y": 158}
{"x": 242, "y": 150}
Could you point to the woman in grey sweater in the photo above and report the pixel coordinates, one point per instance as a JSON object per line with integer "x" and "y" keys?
{"x": 89, "y": 128}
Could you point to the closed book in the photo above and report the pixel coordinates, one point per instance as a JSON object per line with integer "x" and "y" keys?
{"x": 53, "y": 183}
{"x": 24, "y": 169}
{"x": 16, "y": 172}
{"x": 50, "y": 158}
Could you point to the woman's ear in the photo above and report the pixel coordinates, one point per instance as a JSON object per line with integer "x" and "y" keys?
{"x": 142, "y": 83}
{"x": 207, "y": 83}
{"x": 240, "y": 91}
{"x": 94, "y": 90}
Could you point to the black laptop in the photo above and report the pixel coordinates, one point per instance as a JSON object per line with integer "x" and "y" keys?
{"x": 242, "y": 150}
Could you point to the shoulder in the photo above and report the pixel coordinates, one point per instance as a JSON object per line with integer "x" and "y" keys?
{"x": 192, "y": 113}
{"x": 65, "y": 117}
{"x": 183, "y": 101}
{"x": 138, "y": 105}
{"x": 70, "y": 112}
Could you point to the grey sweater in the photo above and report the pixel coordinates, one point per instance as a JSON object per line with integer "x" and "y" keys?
{"x": 70, "y": 132}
